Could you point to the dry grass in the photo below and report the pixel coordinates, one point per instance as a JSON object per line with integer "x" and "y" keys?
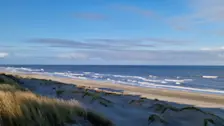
{"x": 25, "y": 108}
{"x": 97, "y": 97}
{"x": 19, "y": 107}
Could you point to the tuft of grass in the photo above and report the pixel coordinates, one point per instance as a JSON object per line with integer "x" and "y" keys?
{"x": 163, "y": 108}
{"x": 155, "y": 117}
{"x": 86, "y": 93}
{"x": 10, "y": 79}
{"x": 139, "y": 101}
{"x": 169, "y": 107}
{"x": 160, "y": 108}
{"x": 8, "y": 87}
{"x": 192, "y": 108}
{"x": 103, "y": 103}
{"x": 8, "y": 83}
{"x": 207, "y": 121}
{"x": 95, "y": 96}
{"x": 197, "y": 109}
{"x": 132, "y": 101}
{"x": 25, "y": 108}
{"x": 4, "y": 79}
{"x": 59, "y": 92}
{"x": 106, "y": 100}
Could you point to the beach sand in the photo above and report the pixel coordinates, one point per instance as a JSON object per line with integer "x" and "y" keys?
{"x": 130, "y": 105}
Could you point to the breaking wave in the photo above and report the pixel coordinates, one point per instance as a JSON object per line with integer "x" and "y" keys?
{"x": 176, "y": 83}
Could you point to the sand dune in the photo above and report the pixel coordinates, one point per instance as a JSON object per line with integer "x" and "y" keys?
{"x": 132, "y": 106}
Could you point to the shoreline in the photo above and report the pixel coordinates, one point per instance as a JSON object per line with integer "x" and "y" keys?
{"x": 183, "y": 97}
{"x": 144, "y": 84}
{"x": 113, "y": 104}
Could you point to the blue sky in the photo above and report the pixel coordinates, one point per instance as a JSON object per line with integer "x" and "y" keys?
{"x": 172, "y": 32}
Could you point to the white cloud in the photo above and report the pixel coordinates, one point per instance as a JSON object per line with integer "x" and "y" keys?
{"x": 201, "y": 12}
{"x": 172, "y": 57}
{"x": 217, "y": 51}
{"x": 73, "y": 56}
{"x": 3, "y": 54}
{"x": 209, "y": 10}
{"x": 213, "y": 49}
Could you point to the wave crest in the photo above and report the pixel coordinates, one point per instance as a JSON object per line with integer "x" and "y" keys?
{"x": 147, "y": 81}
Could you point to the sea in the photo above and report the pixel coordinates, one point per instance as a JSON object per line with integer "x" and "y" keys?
{"x": 204, "y": 79}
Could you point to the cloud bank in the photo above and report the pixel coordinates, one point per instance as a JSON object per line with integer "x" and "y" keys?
{"x": 213, "y": 49}
{"x": 107, "y": 43}
{"x": 3, "y": 54}
{"x": 159, "y": 57}
{"x": 203, "y": 12}
{"x": 130, "y": 51}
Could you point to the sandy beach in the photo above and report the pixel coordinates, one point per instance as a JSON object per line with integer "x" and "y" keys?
{"x": 112, "y": 63}
{"x": 131, "y": 105}
{"x": 183, "y": 97}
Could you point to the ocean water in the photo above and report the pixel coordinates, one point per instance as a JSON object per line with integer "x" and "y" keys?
{"x": 206, "y": 79}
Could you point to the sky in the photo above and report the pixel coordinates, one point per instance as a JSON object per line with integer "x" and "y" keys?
{"x": 115, "y": 32}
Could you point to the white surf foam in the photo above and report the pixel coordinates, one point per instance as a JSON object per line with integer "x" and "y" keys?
{"x": 150, "y": 81}
{"x": 21, "y": 69}
{"x": 152, "y": 76}
{"x": 210, "y": 77}
{"x": 181, "y": 87}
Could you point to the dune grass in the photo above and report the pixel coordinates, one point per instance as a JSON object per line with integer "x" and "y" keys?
{"x": 25, "y": 108}
{"x": 5, "y": 80}
{"x": 20, "y": 107}
{"x": 95, "y": 96}
{"x": 207, "y": 121}
{"x": 139, "y": 101}
{"x": 59, "y": 92}
{"x": 162, "y": 108}
{"x": 155, "y": 117}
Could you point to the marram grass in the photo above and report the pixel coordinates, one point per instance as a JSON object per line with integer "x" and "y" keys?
{"x": 19, "y": 107}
